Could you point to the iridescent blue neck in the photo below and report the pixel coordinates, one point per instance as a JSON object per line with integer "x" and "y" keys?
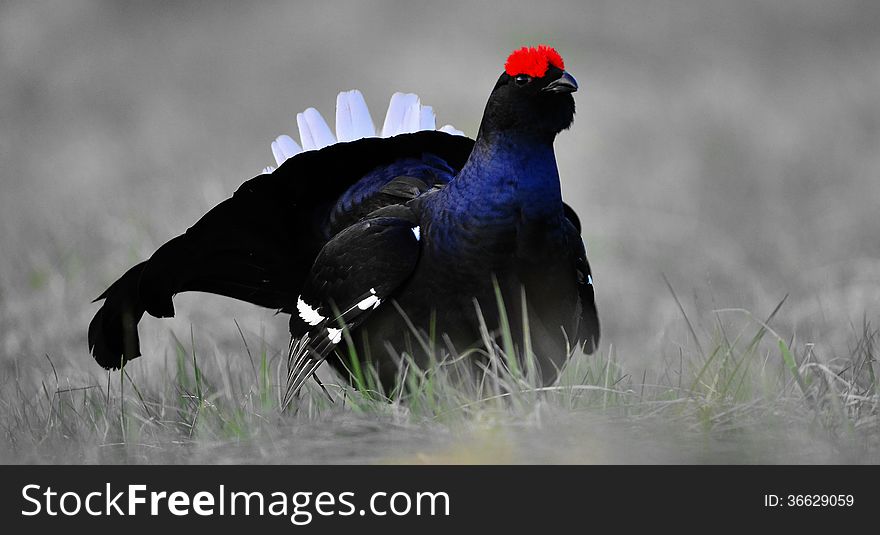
{"x": 509, "y": 171}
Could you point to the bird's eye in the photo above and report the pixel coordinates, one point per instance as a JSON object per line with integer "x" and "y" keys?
{"x": 522, "y": 79}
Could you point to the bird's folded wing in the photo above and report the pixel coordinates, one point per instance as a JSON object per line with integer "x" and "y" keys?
{"x": 355, "y": 273}
{"x": 588, "y": 322}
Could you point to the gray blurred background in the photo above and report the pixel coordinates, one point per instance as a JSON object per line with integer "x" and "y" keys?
{"x": 732, "y": 146}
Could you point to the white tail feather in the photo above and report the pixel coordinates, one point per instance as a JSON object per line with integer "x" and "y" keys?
{"x": 276, "y": 152}
{"x": 397, "y": 109}
{"x": 449, "y": 129}
{"x": 344, "y": 126}
{"x": 283, "y": 148}
{"x": 427, "y": 119}
{"x": 305, "y": 133}
{"x": 321, "y": 132}
{"x": 412, "y": 118}
{"x": 353, "y": 119}
{"x": 313, "y": 130}
{"x": 289, "y": 147}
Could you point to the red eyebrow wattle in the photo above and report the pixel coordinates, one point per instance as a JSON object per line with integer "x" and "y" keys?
{"x": 533, "y": 61}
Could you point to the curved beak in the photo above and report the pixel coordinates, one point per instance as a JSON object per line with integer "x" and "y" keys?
{"x": 564, "y": 84}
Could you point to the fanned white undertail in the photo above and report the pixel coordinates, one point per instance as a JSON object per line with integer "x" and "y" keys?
{"x": 353, "y": 120}
{"x": 405, "y": 114}
{"x": 313, "y": 130}
{"x": 402, "y": 115}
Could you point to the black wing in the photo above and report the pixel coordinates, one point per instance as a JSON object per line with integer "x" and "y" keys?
{"x": 355, "y": 272}
{"x": 561, "y": 315}
{"x": 588, "y": 322}
{"x": 258, "y": 245}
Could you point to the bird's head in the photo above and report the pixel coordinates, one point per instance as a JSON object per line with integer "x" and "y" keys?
{"x": 533, "y": 95}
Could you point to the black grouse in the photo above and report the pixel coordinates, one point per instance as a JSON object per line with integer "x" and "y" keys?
{"x": 419, "y": 231}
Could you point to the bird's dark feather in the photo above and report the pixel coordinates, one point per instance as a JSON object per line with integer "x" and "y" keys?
{"x": 367, "y": 261}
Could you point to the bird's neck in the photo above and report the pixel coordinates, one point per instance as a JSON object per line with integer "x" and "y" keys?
{"x": 510, "y": 171}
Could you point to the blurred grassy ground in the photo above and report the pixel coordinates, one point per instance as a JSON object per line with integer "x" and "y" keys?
{"x": 732, "y": 146}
